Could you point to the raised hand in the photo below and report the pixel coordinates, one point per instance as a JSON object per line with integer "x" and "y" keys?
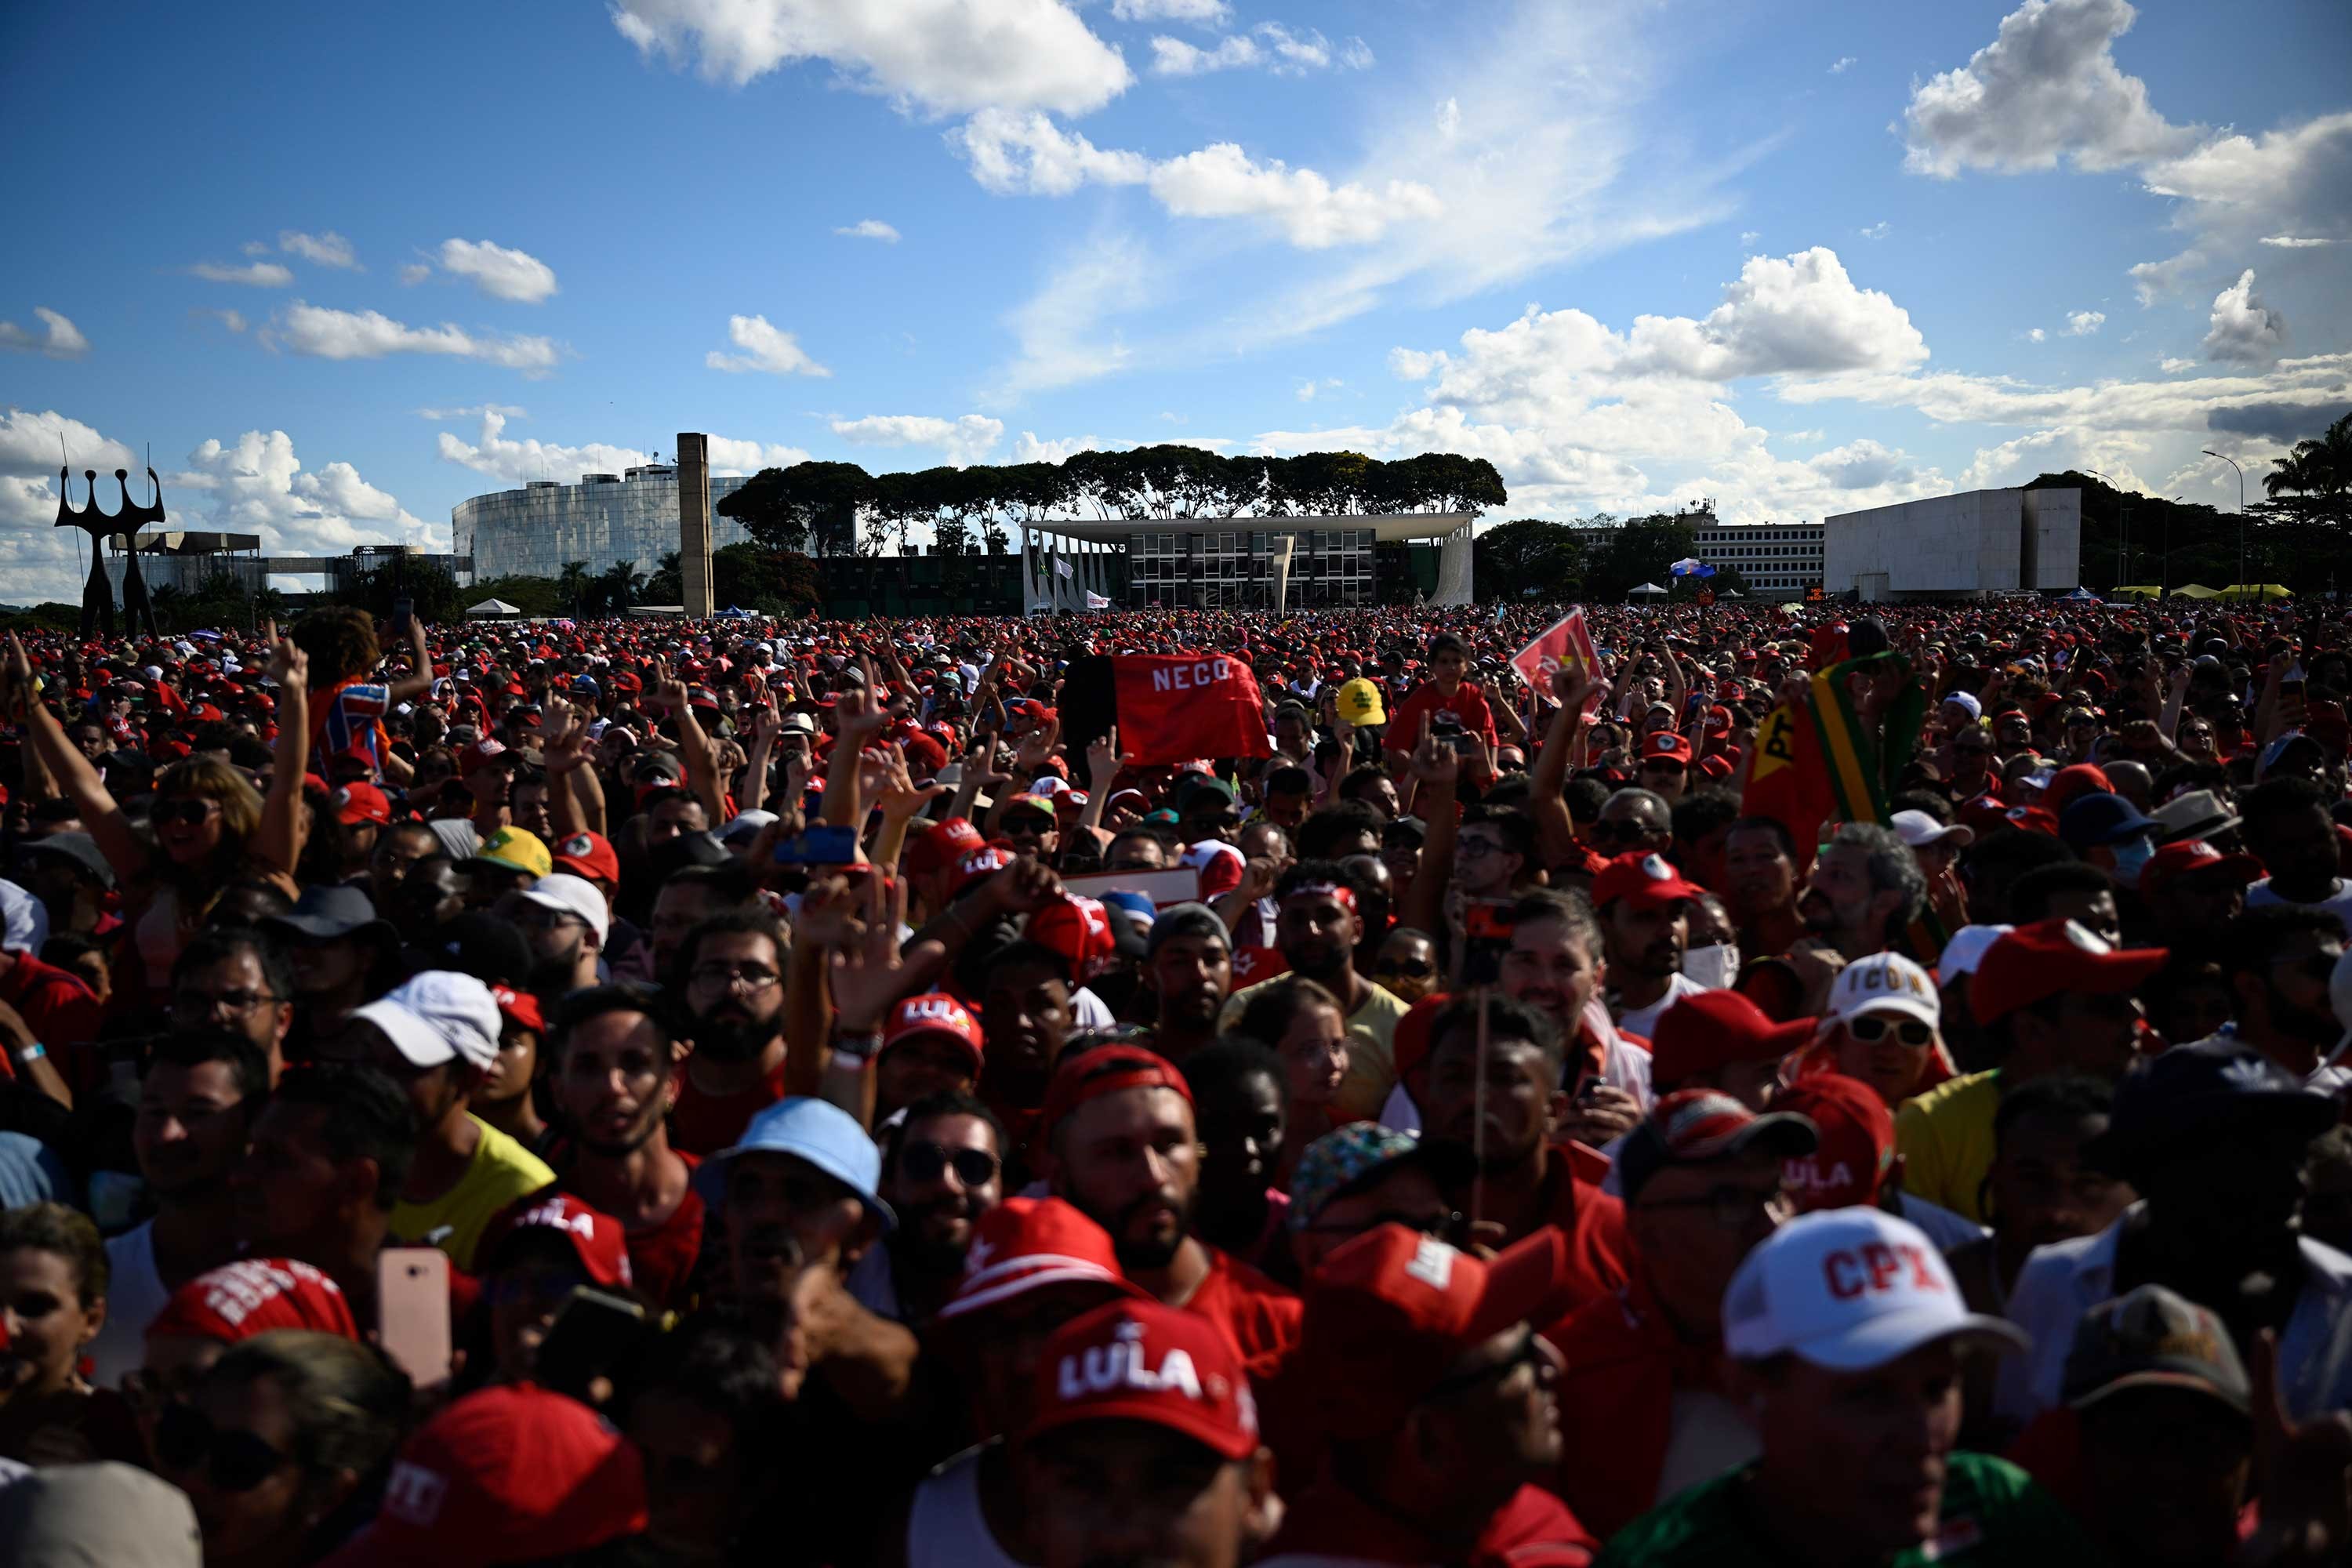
{"x": 1036, "y": 748}
{"x": 858, "y": 710}
{"x": 1436, "y": 766}
{"x": 666, "y": 690}
{"x": 867, "y": 976}
{"x": 1103, "y": 761}
{"x": 289, "y": 666}
{"x": 902, "y": 799}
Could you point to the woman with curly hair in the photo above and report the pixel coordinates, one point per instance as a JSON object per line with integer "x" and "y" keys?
{"x": 209, "y": 826}
{"x": 347, "y": 717}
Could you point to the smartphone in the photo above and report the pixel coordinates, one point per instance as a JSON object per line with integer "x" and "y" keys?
{"x": 595, "y": 1334}
{"x": 401, "y": 608}
{"x": 411, "y": 1290}
{"x": 824, "y": 845}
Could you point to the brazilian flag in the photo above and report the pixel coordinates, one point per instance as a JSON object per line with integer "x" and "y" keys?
{"x": 1818, "y": 760}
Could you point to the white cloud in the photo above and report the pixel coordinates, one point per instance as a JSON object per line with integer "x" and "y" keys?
{"x": 415, "y": 272}
{"x": 2295, "y": 180}
{"x": 1838, "y": 65}
{"x": 38, "y": 561}
{"x": 931, "y": 57}
{"x": 233, "y": 319}
{"x": 2046, "y": 87}
{"x": 730, "y": 456}
{"x": 518, "y": 462}
{"x": 765, "y": 348}
{"x": 258, "y": 485}
{"x": 1028, "y": 154}
{"x": 1269, "y": 47}
{"x": 1879, "y": 231}
{"x": 1309, "y": 389}
{"x": 324, "y": 334}
{"x": 2173, "y": 366}
{"x": 2154, "y": 280}
{"x": 963, "y": 441}
{"x": 1061, "y": 331}
{"x": 1783, "y": 315}
{"x": 1749, "y": 237}
{"x": 472, "y": 410}
{"x": 502, "y": 273}
{"x": 258, "y": 275}
{"x": 870, "y": 228}
{"x": 2035, "y": 335}
{"x": 61, "y": 339}
{"x": 2245, "y": 331}
{"x": 328, "y": 250}
{"x": 1449, "y": 117}
{"x": 1199, "y": 13}
{"x": 2083, "y": 323}
{"x": 2295, "y": 242}
{"x": 1221, "y": 181}
{"x": 255, "y": 247}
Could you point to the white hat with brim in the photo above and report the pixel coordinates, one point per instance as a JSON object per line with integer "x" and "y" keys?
{"x": 419, "y": 1043}
{"x": 1850, "y": 1289}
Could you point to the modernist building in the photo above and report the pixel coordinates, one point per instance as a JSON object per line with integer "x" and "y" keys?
{"x": 1249, "y": 563}
{"x": 1978, "y": 542}
{"x": 1777, "y": 560}
{"x": 604, "y": 519}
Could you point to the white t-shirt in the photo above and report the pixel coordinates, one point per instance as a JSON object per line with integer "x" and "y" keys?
{"x": 134, "y": 1295}
{"x": 2338, "y": 903}
{"x": 1644, "y": 1020}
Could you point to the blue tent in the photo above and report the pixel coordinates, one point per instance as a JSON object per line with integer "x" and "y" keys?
{"x": 735, "y": 613}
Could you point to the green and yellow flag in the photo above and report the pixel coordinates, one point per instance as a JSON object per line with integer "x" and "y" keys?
{"x": 1817, "y": 761}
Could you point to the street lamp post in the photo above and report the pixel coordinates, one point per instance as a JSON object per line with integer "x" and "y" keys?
{"x": 2241, "y": 513}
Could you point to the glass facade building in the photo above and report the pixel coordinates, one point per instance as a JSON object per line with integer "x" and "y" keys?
{"x": 606, "y": 517}
{"x": 1237, "y": 567}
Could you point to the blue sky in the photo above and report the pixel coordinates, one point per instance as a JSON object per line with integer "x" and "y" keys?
{"x": 343, "y": 267}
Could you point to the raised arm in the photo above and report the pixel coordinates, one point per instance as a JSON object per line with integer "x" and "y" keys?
{"x": 278, "y": 841}
{"x": 1435, "y": 770}
{"x": 419, "y": 678}
{"x": 116, "y": 838}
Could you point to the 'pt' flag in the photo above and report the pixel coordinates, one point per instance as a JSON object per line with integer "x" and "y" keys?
{"x": 1817, "y": 761}
{"x": 1168, "y": 708}
{"x": 1566, "y": 641}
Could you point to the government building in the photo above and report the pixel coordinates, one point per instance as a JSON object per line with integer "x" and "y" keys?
{"x": 603, "y": 519}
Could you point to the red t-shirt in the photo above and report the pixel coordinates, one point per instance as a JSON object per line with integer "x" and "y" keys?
{"x": 702, "y": 1123}
{"x": 1259, "y": 1316}
{"x": 663, "y": 1260}
{"x": 61, "y": 1013}
{"x": 1328, "y": 1523}
{"x": 1404, "y": 724}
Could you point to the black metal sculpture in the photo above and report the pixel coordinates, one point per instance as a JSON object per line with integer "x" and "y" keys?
{"x": 98, "y": 595}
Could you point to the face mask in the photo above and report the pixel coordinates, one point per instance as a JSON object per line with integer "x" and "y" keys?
{"x": 1714, "y": 967}
{"x": 2131, "y": 858}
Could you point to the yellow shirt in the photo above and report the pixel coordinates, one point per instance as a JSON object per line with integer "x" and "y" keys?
{"x": 502, "y": 1171}
{"x": 1945, "y": 1137}
{"x": 1372, "y": 1047}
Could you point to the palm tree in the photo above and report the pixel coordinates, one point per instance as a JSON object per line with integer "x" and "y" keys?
{"x": 620, "y": 585}
{"x": 571, "y": 585}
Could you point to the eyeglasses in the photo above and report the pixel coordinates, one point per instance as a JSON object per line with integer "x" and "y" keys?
{"x": 929, "y": 1162}
{"x": 192, "y": 1004}
{"x": 1870, "y": 1028}
{"x": 1730, "y": 1207}
{"x": 1475, "y": 848}
{"x": 188, "y": 808}
{"x": 233, "y": 1461}
{"x": 1421, "y": 970}
{"x": 752, "y": 977}
{"x": 1027, "y": 822}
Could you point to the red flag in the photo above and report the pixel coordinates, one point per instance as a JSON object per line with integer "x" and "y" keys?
{"x": 1169, "y": 707}
{"x": 1565, "y": 642}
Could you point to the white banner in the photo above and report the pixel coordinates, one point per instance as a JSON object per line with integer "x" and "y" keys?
{"x": 1095, "y": 601}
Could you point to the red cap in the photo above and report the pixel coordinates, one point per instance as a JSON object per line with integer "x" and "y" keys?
{"x": 360, "y": 803}
{"x": 976, "y": 866}
{"x": 1719, "y": 720}
{"x": 2032, "y": 819}
{"x": 252, "y": 1296}
{"x": 1715, "y": 765}
{"x": 2039, "y": 960}
{"x": 1644, "y": 880}
{"x": 478, "y": 755}
{"x": 1391, "y": 1311}
{"x": 2195, "y": 855}
{"x": 596, "y": 1239}
{"x": 1140, "y": 1361}
{"x": 1027, "y": 1244}
{"x": 589, "y": 855}
{"x": 934, "y": 1013}
{"x": 1666, "y": 744}
{"x": 1984, "y": 813}
{"x": 925, "y": 756}
{"x": 519, "y": 1008}
{"x": 2067, "y": 783}
{"x": 1080, "y": 929}
{"x": 1107, "y": 1070}
{"x": 941, "y": 845}
{"x": 1857, "y": 1140}
{"x": 1715, "y": 1029}
{"x": 512, "y": 1474}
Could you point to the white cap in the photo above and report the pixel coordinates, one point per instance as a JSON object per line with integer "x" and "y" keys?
{"x": 570, "y": 895}
{"x": 1884, "y": 982}
{"x": 745, "y": 826}
{"x": 1967, "y": 950}
{"x": 437, "y": 1017}
{"x": 1848, "y": 1289}
{"x": 1919, "y": 830}
{"x": 1049, "y": 784}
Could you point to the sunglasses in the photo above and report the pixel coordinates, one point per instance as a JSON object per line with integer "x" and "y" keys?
{"x": 233, "y": 1461}
{"x": 929, "y": 1162}
{"x": 1870, "y": 1028}
{"x": 1418, "y": 970}
{"x": 192, "y": 808}
{"x": 1027, "y": 822}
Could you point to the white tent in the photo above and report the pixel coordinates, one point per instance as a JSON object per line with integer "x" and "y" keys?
{"x": 1645, "y": 588}
{"x": 489, "y": 608}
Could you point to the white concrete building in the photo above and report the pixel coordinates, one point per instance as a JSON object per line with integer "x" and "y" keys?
{"x": 1980, "y": 542}
{"x": 1777, "y": 560}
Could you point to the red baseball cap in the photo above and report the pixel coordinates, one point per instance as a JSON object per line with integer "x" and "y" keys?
{"x": 589, "y": 855}
{"x": 481, "y": 755}
{"x": 1646, "y": 880}
{"x": 2195, "y": 856}
{"x": 941, "y": 845}
{"x": 252, "y": 1296}
{"x": 977, "y": 866}
{"x": 2068, "y": 784}
{"x": 1665, "y": 744}
{"x": 2036, "y": 961}
{"x": 596, "y": 1239}
{"x": 2032, "y": 819}
{"x": 1857, "y": 1140}
{"x": 514, "y": 1473}
{"x": 1716, "y": 1030}
{"x": 933, "y": 1013}
{"x": 361, "y": 802}
{"x": 1107, "y": 1070}
{"x": 521, "y": 1008}
{"x": 1080, "y": 929}
{"x": 1140, "y": 1361}
{"x": 1027, "y": 1244}
{"x": 1391, "y": 1311}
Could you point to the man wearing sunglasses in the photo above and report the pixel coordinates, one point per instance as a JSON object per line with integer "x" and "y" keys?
{"x": 1633, "y": 820}
{"x": 1883, "y": 1028}
{"x": 942, "y": 1170}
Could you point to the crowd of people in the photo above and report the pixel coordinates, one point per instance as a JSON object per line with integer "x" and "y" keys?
{"x": 662, "y": 1092}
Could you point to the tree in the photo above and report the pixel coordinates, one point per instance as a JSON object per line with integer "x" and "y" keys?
{"x": 620, "y": 585}
{"x": 1528, "y": 559}
{"x": 668, "y": 584}
{"x": 542, "y": 596}
{"x": 784, "y": 508}
{"x": 572, "y": 585}
{"x": 773, "y": 582}
{"x": 428, "y": 586}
